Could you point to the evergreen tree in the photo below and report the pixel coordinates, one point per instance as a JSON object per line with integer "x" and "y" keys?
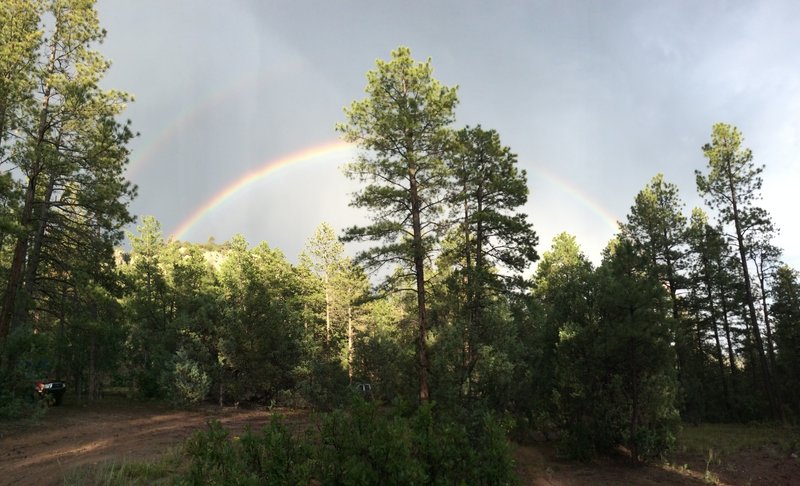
{"x": 732, "y": 185}
{"x": 563, "y": 287}
{"x": 765, "y": 258}
{"x": 786, "y": 313}
{"x": 633, "y": 347}
{"x": 657, "y": 228}
{"x": 343, "y": 285}
{"x": 707, "y": 247}
{"x": 402, "y": 126}
{"x": 262, "y": 321}
{"x": 150, "y": 307}
{"x": 20, "y": 39}
{"x": 325, "y": 254}
{"x": 491, "y": 244}
{"x": 70, "y": 153}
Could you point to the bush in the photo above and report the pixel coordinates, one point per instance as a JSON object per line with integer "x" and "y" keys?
{"x": 273, "y": 457}
{"x": 326, "y": 385}
{"x": 22, "y": 362}
{"x": 186, "y": 381}
{"x": 362, "y": 444}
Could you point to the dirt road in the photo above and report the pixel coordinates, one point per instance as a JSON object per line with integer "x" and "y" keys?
{"x": 110, "y": 430}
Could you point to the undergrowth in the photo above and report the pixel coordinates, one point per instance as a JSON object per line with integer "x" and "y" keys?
{"x": 727, "y": 439}
{"x": 163, "y": 471}
{"x": 363, "y": 444}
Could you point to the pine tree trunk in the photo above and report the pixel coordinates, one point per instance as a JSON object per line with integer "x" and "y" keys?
{"x": 419, "y": 270}
{"x": 327, "y": 312}
{"x": 350, "y": 343}
{"x": 634, "y": 419}
{"x": 713, "y": 310}
{"x": 466, "y": 349}
{"x": 727, "y": 328}
{"x": 21, "y": 247}
{"x": 93, "y": 368}
{"x": 765, "y": 371}
{"x": 34, "y": 255}
{"x": 770, "y": 347}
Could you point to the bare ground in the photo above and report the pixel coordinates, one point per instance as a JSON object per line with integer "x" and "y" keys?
{"x": 115, "y": 430}
{"x": 111, "y": 430}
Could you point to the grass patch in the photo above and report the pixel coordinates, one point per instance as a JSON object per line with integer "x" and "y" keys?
{"x": 118, "y": 391}
{"x": 727, "y": 439}
{"x": 162, "y": 471}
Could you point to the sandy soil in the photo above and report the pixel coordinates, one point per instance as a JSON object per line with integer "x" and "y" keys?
{"x": 115, "y": 430}
{"x": 109, "y": 430}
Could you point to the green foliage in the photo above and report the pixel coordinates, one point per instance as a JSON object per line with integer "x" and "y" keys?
{"x": 615, "y": 383}
{"x": 272, "y": 457}
{"x": 656, "y": 227}
{"x": 69, "y": 157}
{"x": 487, "y": 246}
{"x": 732, "y": 186}
{"x": 327, "y": 385}
{"x": 334, "y": 317}
{"x": 151, "y": 340}
{"x": 487, "y": 188}
{"x": 187, "y": 381}
{"x": 262, "y": 321}
{"x": 403, "y": 128}
{"x": 385, "y": 350}
{"x": 361, "y": 444}
{"x": 786, "y": 312}
{"x": 463, "y": 446}
{"x": 404, "y": 121}
{"x": 367, "y": 445}
{"x": 564, "y": 292}
{"x": 26, "y": 352}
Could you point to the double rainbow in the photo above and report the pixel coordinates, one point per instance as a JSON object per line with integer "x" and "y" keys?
{"x": 331, "y": 148}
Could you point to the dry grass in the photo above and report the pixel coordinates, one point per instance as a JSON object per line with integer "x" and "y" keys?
{"x": 726, "y": 439}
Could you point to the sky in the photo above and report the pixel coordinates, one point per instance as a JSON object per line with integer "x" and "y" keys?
{"x": 595, "y": 98}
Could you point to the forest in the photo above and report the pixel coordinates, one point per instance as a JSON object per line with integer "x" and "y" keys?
{"x": 690, "y": 317}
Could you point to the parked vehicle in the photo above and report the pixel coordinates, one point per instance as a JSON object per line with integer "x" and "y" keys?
{"x": 50, "y": 390}
{"x": 364, "y": 389}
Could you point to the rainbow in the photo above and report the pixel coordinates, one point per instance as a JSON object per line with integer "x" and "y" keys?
{"x": 256, "y": 175}
{"x": 334, "y": 147}
{"x": 586, "y": 200}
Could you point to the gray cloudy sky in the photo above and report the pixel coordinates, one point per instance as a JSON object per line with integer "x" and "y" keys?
{"x": 594, "y": 97}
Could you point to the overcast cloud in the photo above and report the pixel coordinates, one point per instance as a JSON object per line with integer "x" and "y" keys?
{"x": 594, "y": 97}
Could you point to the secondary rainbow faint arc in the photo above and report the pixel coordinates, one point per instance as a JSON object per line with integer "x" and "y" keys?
{"x": 251, "y": 177}
{"x": 193, "y": 112}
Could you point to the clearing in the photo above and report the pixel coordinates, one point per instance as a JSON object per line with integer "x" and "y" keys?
{"x": 116, "y": 431}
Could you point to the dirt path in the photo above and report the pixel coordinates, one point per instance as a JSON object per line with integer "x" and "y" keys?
{"x": 110, "y": 430}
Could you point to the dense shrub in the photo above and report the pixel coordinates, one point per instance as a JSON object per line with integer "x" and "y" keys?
{"x": 22, "y": 362}
{"x": 362, "y": 444}
{"x": 325, "y": 386}
{"x": 186, "y": 381}
{"x": 272, "y": 457}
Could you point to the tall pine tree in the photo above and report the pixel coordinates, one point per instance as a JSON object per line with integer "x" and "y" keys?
{"x": 402, "y": 128}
